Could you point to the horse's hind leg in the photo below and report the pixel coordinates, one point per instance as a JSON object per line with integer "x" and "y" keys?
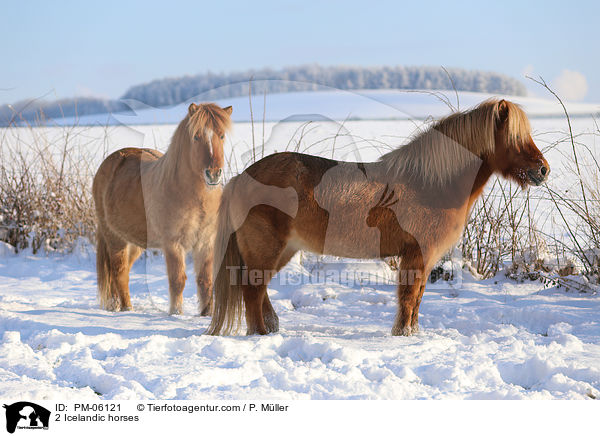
{"x": 134, "y": 253}
{"x": 269, "y": 316}
{"x": 120, "y": 265}
{"x": 253, "y": 300}
{"x": 175, "y": 258}
{"x": 411, "y": 284}
{"x": 203, "y": 264}
{"x": 261, "y": 249}
{"x": 260, "y": 317}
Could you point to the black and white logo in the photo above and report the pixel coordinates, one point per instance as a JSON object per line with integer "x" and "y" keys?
{"x": 26, "y": 415}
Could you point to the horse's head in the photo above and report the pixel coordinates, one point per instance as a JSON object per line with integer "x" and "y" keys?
{"x": 515, "y": 155}
{"x": 208, "y": 124}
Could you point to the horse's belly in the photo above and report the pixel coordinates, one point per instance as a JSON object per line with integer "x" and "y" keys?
{"x": 359, "y": 245}
{"x": 339, "y": 242}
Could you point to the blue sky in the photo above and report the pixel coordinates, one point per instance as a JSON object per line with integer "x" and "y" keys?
{"x": 69, "y": 48}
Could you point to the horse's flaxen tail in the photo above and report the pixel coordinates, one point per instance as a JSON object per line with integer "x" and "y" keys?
{"x": 228, "y": 264}
{"x": 103, "y": 270}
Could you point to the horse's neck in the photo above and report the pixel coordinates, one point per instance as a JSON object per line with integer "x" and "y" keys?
{"x": 483, "y": 175}
{"x": 174, "y": 168}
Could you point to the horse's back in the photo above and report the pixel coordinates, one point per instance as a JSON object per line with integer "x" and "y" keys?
{"x": 127, "y": 156}
{"x": 290, "y": 169}
{"x": 122, "y": 166}
{"x": 118, "y": 193}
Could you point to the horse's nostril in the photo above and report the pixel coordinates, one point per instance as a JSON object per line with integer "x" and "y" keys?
{"x": 213, "y": 175}
{"x": 544, "y": 171}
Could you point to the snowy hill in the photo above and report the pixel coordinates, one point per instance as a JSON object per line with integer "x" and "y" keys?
{"x": 341, "y": 105}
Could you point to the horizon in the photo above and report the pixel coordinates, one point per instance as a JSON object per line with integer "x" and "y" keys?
{"x": 70, "y": 50}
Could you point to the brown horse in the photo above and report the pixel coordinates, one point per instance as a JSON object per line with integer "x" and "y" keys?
{"x": 413, "y": 203}
{"x": 148, "y": 200}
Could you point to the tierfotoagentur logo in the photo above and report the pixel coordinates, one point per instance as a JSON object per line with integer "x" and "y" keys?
{"x": 24, "y": 415}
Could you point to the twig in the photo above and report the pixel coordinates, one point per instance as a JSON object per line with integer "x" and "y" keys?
{"x": 543, "y": 83}
{"x": 251, "y": 119}
{"x": 453, "y": 87}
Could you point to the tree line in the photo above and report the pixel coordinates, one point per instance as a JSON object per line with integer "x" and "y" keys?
{"x": 214, "y": 86}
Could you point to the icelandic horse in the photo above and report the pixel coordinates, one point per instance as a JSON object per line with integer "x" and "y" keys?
{"x": 145, "y": 199}
{"x": 412, "y": 203}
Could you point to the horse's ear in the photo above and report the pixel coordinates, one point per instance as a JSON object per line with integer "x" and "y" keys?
{"x": 193, "y": 108}
{"x": 502, "y": 111}
{"x": 228, "y": 109}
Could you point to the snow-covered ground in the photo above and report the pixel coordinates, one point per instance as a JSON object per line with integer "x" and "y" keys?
{"x": 481, "y": 339}
{"x": 492, "y": 339}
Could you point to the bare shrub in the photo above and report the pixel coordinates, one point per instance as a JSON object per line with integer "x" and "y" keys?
{"x": 45, "y": 188}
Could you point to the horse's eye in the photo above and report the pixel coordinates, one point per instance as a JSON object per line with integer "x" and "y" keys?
{"x": 196, "y": 137}
{"x": 222, "y": 136}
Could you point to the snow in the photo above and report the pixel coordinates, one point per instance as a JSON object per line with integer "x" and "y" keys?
{"x": 492, "y": 339}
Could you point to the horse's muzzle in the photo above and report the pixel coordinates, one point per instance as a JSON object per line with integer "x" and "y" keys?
{"x": 213, "y": 177}
{"x": 539, "y": 176}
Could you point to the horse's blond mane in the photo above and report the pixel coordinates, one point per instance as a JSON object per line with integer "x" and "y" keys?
{"x": 455, "y": 142}
{"x": 208, "y": 116}
{"x": 203, "y": 120}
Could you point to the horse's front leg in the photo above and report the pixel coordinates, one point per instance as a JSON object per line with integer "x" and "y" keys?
{"x": 410, "y": 290}
{"x": 175, "y": 258}
{"x": 203, "y": 265}
{"x": 415, "y": 314}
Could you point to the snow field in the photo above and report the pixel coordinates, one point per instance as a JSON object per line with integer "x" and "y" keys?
{"x": 486, "y": 340}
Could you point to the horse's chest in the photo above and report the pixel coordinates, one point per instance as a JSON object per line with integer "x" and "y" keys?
{"x": 443, "y": 229}
{"x": 181, "y": 224}
{"x": 194, "y": 225}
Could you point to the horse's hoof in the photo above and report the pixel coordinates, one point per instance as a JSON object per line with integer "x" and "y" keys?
{"x": 272, "y": 323}
{"x": 112, "y": 305}
{"x": 256, "y": 332}
{"x": 402, "y": 331}
{"x": 126, "y": 309}
{"x": 206, "y": 311}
